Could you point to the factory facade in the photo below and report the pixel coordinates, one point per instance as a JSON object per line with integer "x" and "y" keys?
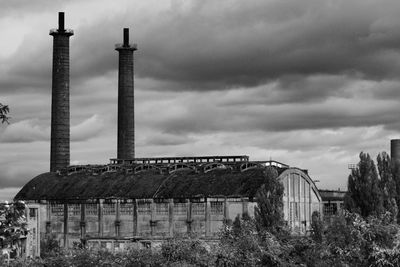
{"x": 140, "y": 201}
{"x": 124, "y": 204}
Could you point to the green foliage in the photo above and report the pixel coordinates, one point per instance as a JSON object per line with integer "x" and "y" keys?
{"x": 4, "y": 110}
{"x": 49, "y": 246}
{"x": 387, "y": 257}
{"x": 186, "y": 252}
{"x": 364, "y": 195}
{"x": 387, "y": 184}
{"x": 317, "y": 227}
{"x": 12, "y": 223}
{"x": 269, "y": 210}
{"x": 351, "y": 240}
{"x": 93, "y": 258}
{"x": 239, "y": 244}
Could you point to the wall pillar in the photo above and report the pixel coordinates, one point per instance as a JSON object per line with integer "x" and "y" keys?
{"x": 226, "y": 211}
{"x": 245, "y": 206}
{"x": 65, "y": 232}
{"x": 48, "y": 218}
{"x": 100, "y": 214}
{"x": 83, "y": 220}
{"x": 153, "y": 217}
{"x": 189, "y": 216}
{"x": 135, "y": 218}
{"x": 208, "y": 217}
{"x": 171, "y": 217}
{"x": 117, "y": 218}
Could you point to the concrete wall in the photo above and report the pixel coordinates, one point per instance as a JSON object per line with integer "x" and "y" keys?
{"x": 141, "y": 218}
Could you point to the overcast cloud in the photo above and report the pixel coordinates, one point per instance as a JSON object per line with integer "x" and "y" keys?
{"x": 309, "y": 83}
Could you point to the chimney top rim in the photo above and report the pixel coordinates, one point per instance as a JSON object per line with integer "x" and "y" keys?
{"x": 68, "y": 32}
{"x": 122, "y": 47}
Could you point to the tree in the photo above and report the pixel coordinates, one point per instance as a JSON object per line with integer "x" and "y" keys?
{"x": 13, "y": 226}
{"x": 269, "y": 209}
{"x": 317, "y": 227}
{"x": 387, "y": 184}
{"x": 364, "y": 195}
{"x": 12, "y": 222}
{"x": 4, "y": 109}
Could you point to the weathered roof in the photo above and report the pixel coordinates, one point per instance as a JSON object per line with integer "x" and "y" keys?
{"x": 149, "y": 184}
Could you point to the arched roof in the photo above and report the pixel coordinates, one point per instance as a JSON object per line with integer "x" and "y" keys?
{"x": 303, "y": 175}
{"x": 148, "y": 184}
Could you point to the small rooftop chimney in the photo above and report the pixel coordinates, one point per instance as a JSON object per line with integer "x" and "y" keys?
{"x": 59, "y": 150}
{"x": 126, "y": 107}
{"x": 126, "y": 37}
{"x": 61, "y": 22}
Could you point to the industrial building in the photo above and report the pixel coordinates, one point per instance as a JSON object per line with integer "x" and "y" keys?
{"x": 131, "y": 200}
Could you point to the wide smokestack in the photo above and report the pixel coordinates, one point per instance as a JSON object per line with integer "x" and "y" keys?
{"x": 59, "y": 151}
{"x": 126, "y": 108}
{"x": 395, "y": 150}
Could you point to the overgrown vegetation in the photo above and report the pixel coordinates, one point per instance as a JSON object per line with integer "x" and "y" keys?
{"x": 349, "y": 241}
{"x": 374, "y": 190}
{"x": 12, "y": 223}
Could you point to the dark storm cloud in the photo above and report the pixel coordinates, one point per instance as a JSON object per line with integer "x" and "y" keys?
{"x": 247, "y": 45}
{"x": 292, "y": 89}
{"x": 209, "y": 114}
{"x": 167, "y": 140}
{"x": 27, "y": 70}
{"x": 220, "y": 45}
{"x": 223, "y": 45}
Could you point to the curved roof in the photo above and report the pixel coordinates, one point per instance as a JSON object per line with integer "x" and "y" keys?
{"x": 148, "y": 184}
{"x": 305, "y": 176}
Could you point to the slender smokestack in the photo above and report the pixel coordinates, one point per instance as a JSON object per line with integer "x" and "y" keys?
{"x": 126, "y": 108}
{"x": 59, "y": 151}
{"x": 395, "y": 150}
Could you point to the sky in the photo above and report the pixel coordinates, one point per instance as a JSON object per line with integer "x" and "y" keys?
{"x": 308, "y": 83}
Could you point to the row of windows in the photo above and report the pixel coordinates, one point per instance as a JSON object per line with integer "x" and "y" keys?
{"x": 144, "y": 208}
{"x": 126, "y": 208}
{"x": 198, "y": 208}
{"x": 91, "y": 209}
{"x": 180, "y": 208}
{"x": 57, "y": 209}
{"x": 217, "y": 208}
{"x": 162, "y": 208}
{"x": 332, "y": 208}
{"x": 74, "y": 210}
{"x": 109, "y": 209}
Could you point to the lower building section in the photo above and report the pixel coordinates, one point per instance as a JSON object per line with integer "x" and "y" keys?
{"x": 139, "y": 219}
{"x": 117, "y": 223}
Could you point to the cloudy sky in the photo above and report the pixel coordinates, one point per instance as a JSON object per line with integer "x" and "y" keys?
{"x": 309, "y": 83}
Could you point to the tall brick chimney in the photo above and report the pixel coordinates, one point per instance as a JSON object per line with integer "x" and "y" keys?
{"x": 126, "y": 108}
{"x": 59, "y": 151}
{"x": 395, "y": 150}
